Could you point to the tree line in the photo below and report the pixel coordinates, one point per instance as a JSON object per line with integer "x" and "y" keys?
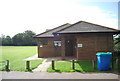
{"x": 20, "y": 39}
{"x": 117, "y": 44}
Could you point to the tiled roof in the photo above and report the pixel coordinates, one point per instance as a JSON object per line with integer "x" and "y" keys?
{"x": 83, "y": 26}
{"x": 49, "y": 33}
{"x": 79, "y": 27}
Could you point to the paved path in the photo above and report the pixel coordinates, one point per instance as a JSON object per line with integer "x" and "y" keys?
{"x": 47, "y": 62}
{"x": 33, "y": 57}
{"x": 63, "y": 75}
{"x": 43, "y": 67}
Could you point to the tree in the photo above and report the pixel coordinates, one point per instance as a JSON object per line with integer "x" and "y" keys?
{"x": 117, "y": 44}
{"x": 25, "y": 38}
{"x": 18, "y": 39}
{"x": 6, "y": 40}
{"x": 28, "y": 38}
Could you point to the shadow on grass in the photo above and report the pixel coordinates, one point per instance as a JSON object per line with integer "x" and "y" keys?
{"x": 29, "y": 70}
{"x": 56, "y": 70}
{"x": 86, "y": 66}
{"x": 77, "y": 70}
{"x": 80, "y": 66}
{"x": 7, "y": 70}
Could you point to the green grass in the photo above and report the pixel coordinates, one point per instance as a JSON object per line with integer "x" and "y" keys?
{"x": 66, "y": 66}
{"x": 16, "y": 54}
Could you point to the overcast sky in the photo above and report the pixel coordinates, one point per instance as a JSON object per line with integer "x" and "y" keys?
{"x": 16, "y": 16}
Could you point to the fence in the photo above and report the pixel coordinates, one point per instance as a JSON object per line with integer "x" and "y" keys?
{"x": 86, "y": 65}
{"x": 6, "y": 64}
{"x": 92, "y": 64}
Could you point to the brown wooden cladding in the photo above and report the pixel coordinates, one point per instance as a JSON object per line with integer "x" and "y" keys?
{"x": 92, "y": 43}
{"x": 48, "y": 50}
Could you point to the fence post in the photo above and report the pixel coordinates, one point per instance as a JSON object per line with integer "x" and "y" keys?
{"x": 53, "y": 66}
{"x": 28, "y": 65}
{"x": 73, "y": 65}
{"x": 93, "y": 63}
{"x": 7, "y": 64}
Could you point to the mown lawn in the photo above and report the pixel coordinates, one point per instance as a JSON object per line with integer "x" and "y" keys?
{"x": 66, "y": 66}
{"x": 16, "y": 54}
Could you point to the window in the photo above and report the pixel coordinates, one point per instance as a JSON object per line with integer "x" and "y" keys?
{"x": 57, "y": 43}
{"x": 43, "y": 42}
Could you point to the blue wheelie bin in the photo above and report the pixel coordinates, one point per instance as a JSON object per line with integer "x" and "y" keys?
{"x": 103, "y": 60}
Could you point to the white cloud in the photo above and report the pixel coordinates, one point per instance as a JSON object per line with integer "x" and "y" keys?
{"x": 37, "y": 15}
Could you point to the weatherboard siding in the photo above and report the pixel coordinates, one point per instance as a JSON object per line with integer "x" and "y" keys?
{"x": 91, "y": 42}
{"x": 48, "y": 50}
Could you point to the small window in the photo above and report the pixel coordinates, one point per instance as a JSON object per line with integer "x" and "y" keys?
{"x": 43, "y": 42}
{"x": 57, "y": 43}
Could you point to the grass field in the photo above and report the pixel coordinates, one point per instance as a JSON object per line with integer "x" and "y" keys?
{"x": 16, "y": 54}
{"x": 66, "y": 66}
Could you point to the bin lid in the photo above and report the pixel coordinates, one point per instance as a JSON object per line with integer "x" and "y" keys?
{"x": 103, "y": 53}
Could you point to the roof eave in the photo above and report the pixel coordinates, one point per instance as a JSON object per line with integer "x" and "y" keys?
{"x": 118, "y": 32}
{"x": 43, "y": 37}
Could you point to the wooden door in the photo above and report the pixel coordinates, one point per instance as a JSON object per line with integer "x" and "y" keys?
{"x": 70, "y": 46}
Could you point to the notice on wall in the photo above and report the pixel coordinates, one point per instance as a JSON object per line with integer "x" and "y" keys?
{"x": 41, "y": 46}
{"x": 79, "y": 45}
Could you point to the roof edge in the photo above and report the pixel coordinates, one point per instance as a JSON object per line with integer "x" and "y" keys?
{"x": 101, "y": 25}
{"x": 66, "y": 27}
{"x": 118, "y": 32}
{"x": 88, "y": 23}
{"x": 50, "y": 30}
